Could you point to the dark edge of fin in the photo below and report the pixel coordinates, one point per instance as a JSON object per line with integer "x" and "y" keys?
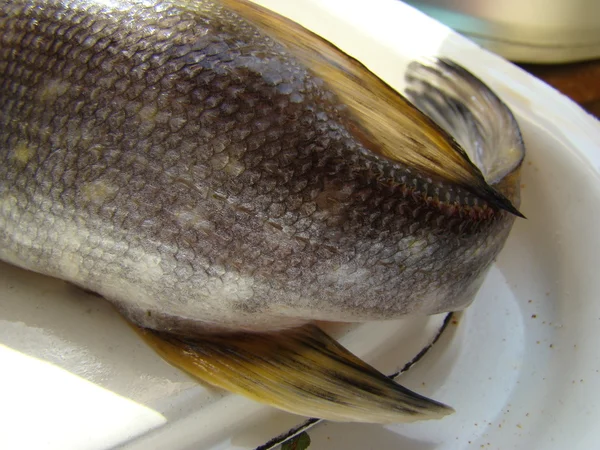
{"x": 300, "y": 370}
{"x": 383, "y": 115}
{"x": 500, "y": 201}
{"x": 310, "y": 423}
{"x": 467, "y": 109}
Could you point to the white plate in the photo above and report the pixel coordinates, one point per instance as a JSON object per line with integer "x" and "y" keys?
{"x": 74, "y": 371}
{"x": 521, "y": 368}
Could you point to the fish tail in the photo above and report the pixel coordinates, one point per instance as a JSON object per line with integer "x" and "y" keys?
{"x": 469, "y": 111}
{"x": 302, "y": 371}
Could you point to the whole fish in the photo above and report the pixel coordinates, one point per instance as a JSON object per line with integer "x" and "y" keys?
{"x": 226, "y": 178}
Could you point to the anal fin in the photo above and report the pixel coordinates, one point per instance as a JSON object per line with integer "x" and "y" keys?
{"x": 301, "y": 370}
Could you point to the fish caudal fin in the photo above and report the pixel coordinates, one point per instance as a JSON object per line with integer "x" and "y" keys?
{"x": 470, "y": 111}
{"x": 302, "y": 370}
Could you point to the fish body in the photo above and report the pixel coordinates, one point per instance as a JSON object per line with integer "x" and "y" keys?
{"x": 205, "y": 176}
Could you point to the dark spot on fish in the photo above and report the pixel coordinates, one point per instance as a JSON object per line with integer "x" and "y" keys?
{"x": 248, "y": 306}
{"x": 275, "y": 225}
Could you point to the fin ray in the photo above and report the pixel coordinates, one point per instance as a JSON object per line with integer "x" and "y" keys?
{"x": 301, "y": 370}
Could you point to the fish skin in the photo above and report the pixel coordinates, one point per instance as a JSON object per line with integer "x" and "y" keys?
{"x": 186, "y": 167}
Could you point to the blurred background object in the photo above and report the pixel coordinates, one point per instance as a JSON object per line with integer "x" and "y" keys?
{"x": 555, "y": 40}
{"x": 533, "y": 31}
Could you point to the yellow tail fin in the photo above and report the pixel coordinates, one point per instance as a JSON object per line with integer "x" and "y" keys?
{"x": 302, "y": 370}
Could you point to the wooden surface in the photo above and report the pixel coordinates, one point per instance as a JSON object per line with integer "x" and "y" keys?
{"x": 579, "y": 81}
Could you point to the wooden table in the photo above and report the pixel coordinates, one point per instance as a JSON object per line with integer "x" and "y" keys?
{"x": 579, "y": 81}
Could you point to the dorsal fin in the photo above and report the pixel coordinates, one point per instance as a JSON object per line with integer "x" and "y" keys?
{"x": 387, "y": 123}
{"x": 470, "y": 111}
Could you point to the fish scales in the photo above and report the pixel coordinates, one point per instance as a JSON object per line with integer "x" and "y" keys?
{"x": 174, "y": 158}
{"x": 172, "y": 154}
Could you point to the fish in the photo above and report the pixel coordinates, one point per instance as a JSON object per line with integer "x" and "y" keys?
{"x": 229, "y": 180}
